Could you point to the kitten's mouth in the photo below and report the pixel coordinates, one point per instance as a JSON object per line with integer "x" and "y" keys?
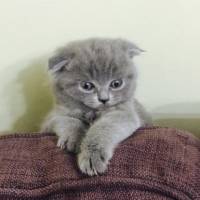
{"x": 104, "y": 106}
{"x": 100, "y": 106}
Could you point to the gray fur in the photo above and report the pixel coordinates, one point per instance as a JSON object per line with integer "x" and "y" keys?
{"x": 81, "y": 121}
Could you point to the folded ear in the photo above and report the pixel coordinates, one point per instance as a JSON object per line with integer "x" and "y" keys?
{"x": 61, "y": 60}
{"x": 57, "y": 63}
{"x": 134, "y": 50}
{"x": 130, "y": 48}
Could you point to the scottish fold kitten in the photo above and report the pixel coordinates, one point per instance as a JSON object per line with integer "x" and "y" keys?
{"x": 94, "y": 82}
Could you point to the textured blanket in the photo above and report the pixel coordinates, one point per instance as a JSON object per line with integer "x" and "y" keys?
{"x": 154, "y": 163}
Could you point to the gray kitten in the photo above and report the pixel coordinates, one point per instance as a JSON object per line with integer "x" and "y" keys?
{"x": 94, "y": 82}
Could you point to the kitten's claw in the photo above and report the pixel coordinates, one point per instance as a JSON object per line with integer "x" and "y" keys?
{"x": 93, "y": 162}
{"x": 61, "y": 143}
{"x": 69, "y": 143}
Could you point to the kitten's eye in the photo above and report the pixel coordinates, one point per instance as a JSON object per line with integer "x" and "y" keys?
{"x": 116, "y": 84}
{"x": 87, "y": 86}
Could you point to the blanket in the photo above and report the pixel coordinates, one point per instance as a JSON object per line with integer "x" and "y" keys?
{"x": 154, "y": 163}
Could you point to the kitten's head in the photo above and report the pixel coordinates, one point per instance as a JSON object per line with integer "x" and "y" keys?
{"x": 96, "y": 72}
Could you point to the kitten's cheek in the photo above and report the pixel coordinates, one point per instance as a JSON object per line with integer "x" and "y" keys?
{"x": 110, "y": 102}
{"x": 96, "y": 105}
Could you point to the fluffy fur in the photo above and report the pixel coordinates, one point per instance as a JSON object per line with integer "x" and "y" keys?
{"x": 94, "y": 82}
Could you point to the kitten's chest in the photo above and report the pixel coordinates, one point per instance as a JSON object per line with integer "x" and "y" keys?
{"x": 85, "y": 115}
{"x": 91, "y": 116}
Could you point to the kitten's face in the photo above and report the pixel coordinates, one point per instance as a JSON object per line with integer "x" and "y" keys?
{"x": 99, "y": 74}
{"x": 102, "y": 92}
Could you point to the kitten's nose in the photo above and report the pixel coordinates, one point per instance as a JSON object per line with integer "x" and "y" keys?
{"x": 103, "y": 100}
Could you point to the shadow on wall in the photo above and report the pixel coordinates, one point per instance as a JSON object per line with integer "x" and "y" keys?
{"x": 37, "y": 96}
{"x": 180, "y": 115}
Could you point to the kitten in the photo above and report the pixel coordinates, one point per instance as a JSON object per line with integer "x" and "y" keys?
{"x": 94, "y": 82}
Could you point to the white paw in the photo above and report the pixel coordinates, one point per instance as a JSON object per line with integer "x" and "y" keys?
{"x": 93, "y": 162}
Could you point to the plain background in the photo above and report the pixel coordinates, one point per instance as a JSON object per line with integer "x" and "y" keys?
{"x": 169, "y": 70}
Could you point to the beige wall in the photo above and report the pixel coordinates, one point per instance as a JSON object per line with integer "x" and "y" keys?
{"x": 169, "y": 79}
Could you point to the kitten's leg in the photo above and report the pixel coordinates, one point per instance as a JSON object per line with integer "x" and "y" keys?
{"x": 101, "y": 139}
{"x": 69, "y": 130}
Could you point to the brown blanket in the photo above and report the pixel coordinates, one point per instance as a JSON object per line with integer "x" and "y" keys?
{"x": 155, "y": 163}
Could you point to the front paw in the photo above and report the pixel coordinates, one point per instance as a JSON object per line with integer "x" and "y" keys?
{"x": 69, "y": 143}
{"x": 93, "y": 161}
